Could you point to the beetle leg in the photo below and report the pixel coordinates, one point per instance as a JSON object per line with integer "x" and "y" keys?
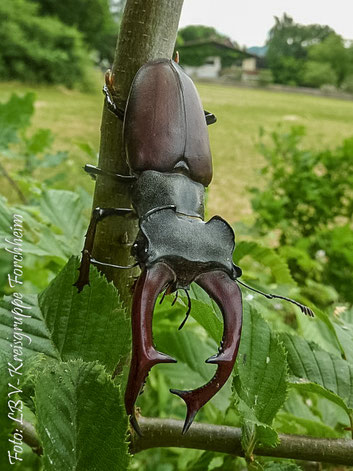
{"x": 220, "y": 287}
{"x": 210, "y": 117}
{"x": 151, "y": 282}
{"x": 107, "y": 90}
{"x": 112, "y": 265}
{"x": 93, "y": 171}
{"x": 97, "y": 215}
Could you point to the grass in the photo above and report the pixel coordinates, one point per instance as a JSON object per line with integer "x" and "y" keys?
{"x": 74, "y": 116}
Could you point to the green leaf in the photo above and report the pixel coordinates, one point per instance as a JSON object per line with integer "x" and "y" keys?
{"x": 191, "y": 348}
{"x": 322, "y": 332}
{"x": 34, "y": 337}
{"x": 205, "y": 311}
{"x": 91, "y": 325}
{"x": 82, "y": 424}
{"x": 301, "y": 416}
{"x": 65, "y": 324}
{"x": 260, "y": 381}
{"x": 87, "y": 148}
{"x": 310, "y": 363}
{"x": 15, "y": 114}
{"x": 39, "y": 238}
{"x": 309, "y": 387}
{"x": 39, "y": 141}
{"x": 276, "y": 466}
{"x": 52, "y": 160}
{"x": 344, "y": 331}
{"x": 266, "y": 257}
{"x": 64, "y": 210}
{"x": 292, "y": 424}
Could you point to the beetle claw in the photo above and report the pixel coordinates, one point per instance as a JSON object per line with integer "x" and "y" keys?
{"x": 227, "y": 294}
{"x": 151, "y": 282}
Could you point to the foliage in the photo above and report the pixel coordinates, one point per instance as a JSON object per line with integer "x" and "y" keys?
{"x": 54, "y": 219}
{"x": 260, "y": 381}
{"x": 347, "y": 85}
{"x": 92, "y": 18}
{"x": 317, "y": 74}
{"x": 26, "y": 154}
{"x": 198, "y": 33}
{"x": 333, "y": 52}
{"x": 39, "y": 49}
{"x": 288, "y": 45}
{"x": 308, "y": 200}
{"x": 70, "y": 389}
{"x": 196, "y": 43}
{"x": 68, "y": 384}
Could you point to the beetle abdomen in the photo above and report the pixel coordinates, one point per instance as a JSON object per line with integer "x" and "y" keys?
{"x": 165, "y": 127}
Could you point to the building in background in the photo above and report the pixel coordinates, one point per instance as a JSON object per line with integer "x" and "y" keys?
{"x": 214, "y": 59}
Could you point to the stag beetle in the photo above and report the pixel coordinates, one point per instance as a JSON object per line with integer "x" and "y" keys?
{"x": 167, "y": 149}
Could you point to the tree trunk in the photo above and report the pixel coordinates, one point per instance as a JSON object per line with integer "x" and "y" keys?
{"x": 148, "y": 31}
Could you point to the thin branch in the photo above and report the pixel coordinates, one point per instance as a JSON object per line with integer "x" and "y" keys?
{"x": 167, "y": 433}
{"x": 148, "y": 31}
{"x": 30, "y": 437}
{"x": 222, "y": 439}
{"x": 13, "y": 184}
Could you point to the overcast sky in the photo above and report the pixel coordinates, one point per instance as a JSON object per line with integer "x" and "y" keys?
{"x": 248, "y": 21}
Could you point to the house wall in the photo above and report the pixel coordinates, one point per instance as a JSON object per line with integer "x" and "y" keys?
{"x": 209, "y": 70}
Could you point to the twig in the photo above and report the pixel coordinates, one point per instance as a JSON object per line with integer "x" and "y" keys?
{"x": 13, "y": 184}
{"x": 30, "y": 437}
{"x": 222, "y": 439}
{"x": 167, "y": 433}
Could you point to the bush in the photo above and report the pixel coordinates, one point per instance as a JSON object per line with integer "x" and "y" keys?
{"x": 317, "y": 74}
{"x": 92, "y": 18}
{"x": 308, "y": 201}
{"x": 347, "y": 85}
{"x": 39, "y": 49}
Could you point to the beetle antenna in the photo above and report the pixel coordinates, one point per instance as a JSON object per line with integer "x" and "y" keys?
{"x": 162, "y": 298}
{"x": 187, "y": 312}
{"x": 305, "y": 309}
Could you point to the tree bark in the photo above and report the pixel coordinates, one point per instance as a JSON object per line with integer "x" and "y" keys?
{"x": 148, "y": 31}
{"x": 223, "y": 439}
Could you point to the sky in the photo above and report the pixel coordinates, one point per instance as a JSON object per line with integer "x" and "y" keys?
{"x": 248, "y": 21}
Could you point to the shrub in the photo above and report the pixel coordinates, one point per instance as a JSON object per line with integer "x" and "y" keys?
{"x": 39, "y": 49}
{"x": 308, "y": 200}
{"x": 317, "y": 74}
{"x": 347, "y": 85}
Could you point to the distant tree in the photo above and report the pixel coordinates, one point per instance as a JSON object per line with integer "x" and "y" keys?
{"x": 199, "y": 32}
{"x": 205, "y": 38}
{"x": 288, "y": 45}
{"x": 316, "y": 74}
{"x": 332, "y": 51}
{"x": 93, "y": 18}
